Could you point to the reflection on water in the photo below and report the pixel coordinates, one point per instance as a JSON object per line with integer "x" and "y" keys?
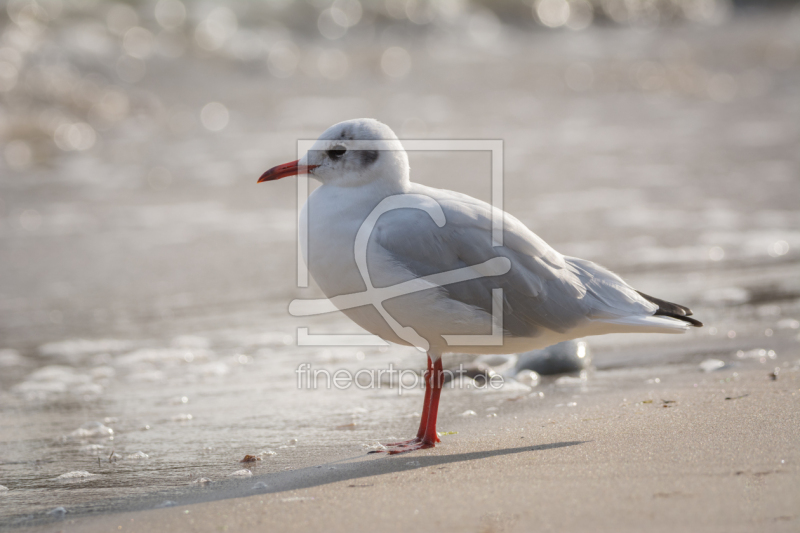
{"x": 144, "y": 338}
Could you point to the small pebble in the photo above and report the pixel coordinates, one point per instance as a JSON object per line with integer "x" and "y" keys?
{"x": 58, "y": 512}
{"x": 138, "y": 455}
{"x": 260, "y": 486}
{"x": 92, "y": 429}
{"x": 93, "y": 449}
{"x": 710, "y": 365}
{"x": 78, "y": 474}
{"x": 572, "y": 380}
{"x": 242, "y": 473}
{"x": 561, "y": 358}
{"x": 528, "y": 377}
{"x": 499, "y": 363}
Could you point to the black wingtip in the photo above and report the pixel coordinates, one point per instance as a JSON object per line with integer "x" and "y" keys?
{"x": 684, "y": 318}
{"x": 672, "y": 310}
{"x": 668, "y": 307}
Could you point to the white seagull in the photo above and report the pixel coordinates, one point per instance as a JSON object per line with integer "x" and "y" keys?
{"x": 418, "y": 266}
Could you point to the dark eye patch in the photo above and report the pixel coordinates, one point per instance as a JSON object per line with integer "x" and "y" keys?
{"x": 368, "y": 156}
{"x": 336, "y": 152}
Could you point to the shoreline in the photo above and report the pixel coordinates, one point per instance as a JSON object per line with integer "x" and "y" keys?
{"x": 719, "y": 455}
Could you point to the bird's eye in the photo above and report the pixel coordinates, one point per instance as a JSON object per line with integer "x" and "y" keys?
{"x": 336, "y": 152}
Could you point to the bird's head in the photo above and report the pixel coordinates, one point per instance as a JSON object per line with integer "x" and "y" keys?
{"x": 351, "y": 153}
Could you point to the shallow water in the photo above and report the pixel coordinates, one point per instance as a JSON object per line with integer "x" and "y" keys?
{"x": 146, "y": 277}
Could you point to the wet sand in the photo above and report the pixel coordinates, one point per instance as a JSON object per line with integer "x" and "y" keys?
{"x": 702, "y": 452}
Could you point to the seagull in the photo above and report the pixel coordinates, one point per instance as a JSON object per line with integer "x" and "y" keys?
{"x": 421, "y": 266}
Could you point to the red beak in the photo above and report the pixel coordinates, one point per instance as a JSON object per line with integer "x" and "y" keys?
{"x": 284, "y": 170}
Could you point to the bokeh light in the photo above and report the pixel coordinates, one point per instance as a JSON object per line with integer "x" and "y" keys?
{"x": 138, "y": 42}
{"x": 216, "y": 29}
{"x": 214, "y": 116}
{"x": 552, "y": 13}
{"x": 170, "y": 14}
{"x": 396, "y": 62}
{"x": 75, "y": 137}
{"x": 332, "y": 23}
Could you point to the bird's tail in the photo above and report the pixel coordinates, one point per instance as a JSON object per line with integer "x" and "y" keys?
{"x": 668, "y": 318}
{"x": 618, "y": 308}
{"x": 642, "y": 324}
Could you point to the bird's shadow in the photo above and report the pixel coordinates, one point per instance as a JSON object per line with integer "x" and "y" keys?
{"x": 350, "y": 469}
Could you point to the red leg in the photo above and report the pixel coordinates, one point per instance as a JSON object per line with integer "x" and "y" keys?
{"x": 427, "y": 436}
{"x": 423, "y": 421}
{"x": 431, "y": 437}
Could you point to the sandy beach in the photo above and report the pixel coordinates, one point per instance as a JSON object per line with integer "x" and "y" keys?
{"x": 697, "y": 453}
{"x": 145, "y": 337}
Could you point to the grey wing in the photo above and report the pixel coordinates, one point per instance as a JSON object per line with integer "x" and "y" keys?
{"x": 543, "y": 289}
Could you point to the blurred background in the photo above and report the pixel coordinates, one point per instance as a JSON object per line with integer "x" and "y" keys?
{"x": 144, "y": 277}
